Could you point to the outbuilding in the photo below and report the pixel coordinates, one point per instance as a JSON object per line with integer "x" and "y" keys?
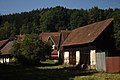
{"x": 92, "y": 46}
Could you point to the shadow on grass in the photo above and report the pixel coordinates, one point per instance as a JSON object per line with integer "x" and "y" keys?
{"x": 48, "y": 64}
{"x": 17, "y": 72}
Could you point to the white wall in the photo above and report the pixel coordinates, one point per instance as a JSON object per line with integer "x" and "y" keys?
{"x": 93, "y": 58}
{"x": 4, "y": 60}
{"x": 66, "y": 57}
{"x": 1, "y": 60}
{"x": 53, "y": 46}
{"x": 7, "y": 60}
{"x": 77, "y": 57}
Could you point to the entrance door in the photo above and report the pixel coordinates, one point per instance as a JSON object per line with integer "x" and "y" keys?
{"x": 85, "y": 58}
{"x": 72, "y": 58}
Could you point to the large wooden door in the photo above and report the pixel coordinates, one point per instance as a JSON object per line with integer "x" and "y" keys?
{"x": 85, "y": 57}
{"x": 100, "y": 61}
{"x": 72, "y": 58}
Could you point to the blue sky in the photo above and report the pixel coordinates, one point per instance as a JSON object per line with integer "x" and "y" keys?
{"x": 15, "y": 6}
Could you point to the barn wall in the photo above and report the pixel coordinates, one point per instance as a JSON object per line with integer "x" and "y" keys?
{"x": 72, "y": 57}
{"x": 113, "y": 64}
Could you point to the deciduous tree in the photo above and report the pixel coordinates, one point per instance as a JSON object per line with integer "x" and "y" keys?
{"x": 30, "y": 50}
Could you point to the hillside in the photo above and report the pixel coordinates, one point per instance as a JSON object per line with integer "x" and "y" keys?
{"x": 56, "y": 19}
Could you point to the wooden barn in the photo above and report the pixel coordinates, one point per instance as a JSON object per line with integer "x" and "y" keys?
{"x": 92, "y": 46}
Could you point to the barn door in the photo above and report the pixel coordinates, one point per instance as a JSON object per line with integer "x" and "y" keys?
{"x": 85, "y": 57}
{"x": 100, "y": 61}
{"x": 72, "y": 58}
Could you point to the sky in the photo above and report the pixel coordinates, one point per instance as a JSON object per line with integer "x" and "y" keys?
{"x": 17, "y": 6}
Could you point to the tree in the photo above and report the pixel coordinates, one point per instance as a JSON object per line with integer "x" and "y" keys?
{"x": 95, "y": 15}
{"x": 31, "y": 50}
{"x": 7, "y": 30}
{"x": 78, "y": 18}
{"x": 116, "y": 16}
{"x": 56, "y": 19}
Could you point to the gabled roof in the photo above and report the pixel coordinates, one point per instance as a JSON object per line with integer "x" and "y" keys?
{"x": 3, "y": 42}
{"x": 45, "y": 35}
{"x": 7, "y": 48}
{"x": 55, "y": 39}
{"x": 86, "y": 34}
{"x": 65, "y": 34}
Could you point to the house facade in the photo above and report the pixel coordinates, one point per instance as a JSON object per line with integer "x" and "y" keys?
{"x": 53, "y": 39}
{"x": 56, "y": 39}
{"x": 5, "y": 51}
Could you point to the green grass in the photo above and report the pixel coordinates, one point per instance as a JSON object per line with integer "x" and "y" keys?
{"x": 51, "y": 71}
{"x": 99, "y": 76}
{"x": 48, "y": 62}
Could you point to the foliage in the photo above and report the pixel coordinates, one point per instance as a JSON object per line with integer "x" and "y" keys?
{"x": 55, "y": 19}
{"x": 31, "y": 50}
{"x": 116, "y": 16}
{"x": 7, "y": 30}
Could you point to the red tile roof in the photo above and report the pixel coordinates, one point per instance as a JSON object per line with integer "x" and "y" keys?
{"x": 86, "y": 34}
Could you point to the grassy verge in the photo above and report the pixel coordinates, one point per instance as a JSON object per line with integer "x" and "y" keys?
{"x": 51, "y": 71}
{"x": 99, "y": 76}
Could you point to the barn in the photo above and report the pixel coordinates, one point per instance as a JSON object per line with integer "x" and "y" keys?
{"x": 92, "y": 46}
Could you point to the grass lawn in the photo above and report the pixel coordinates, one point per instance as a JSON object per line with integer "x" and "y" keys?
{"x": 51, "y": 71}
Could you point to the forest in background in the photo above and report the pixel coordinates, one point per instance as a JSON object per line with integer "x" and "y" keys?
{"x": 56, "y": 19}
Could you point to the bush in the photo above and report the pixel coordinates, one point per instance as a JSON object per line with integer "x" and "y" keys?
{"x": 30, "y": 50}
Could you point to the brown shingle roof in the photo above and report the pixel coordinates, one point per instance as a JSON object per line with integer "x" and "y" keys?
{"x": 3, "y": 42}
{"x": 6, "y": 49}
{"x": 86, "y": 34}
{"x": 64, "y": 35}
{"x": 55, "y": 39}
{"x": 45, "y": 35}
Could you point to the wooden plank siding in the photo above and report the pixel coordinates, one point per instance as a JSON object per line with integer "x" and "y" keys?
{"x": 113, "y": 64}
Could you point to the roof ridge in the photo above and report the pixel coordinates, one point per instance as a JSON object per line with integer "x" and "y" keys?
{"x": 93, "y": 23}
